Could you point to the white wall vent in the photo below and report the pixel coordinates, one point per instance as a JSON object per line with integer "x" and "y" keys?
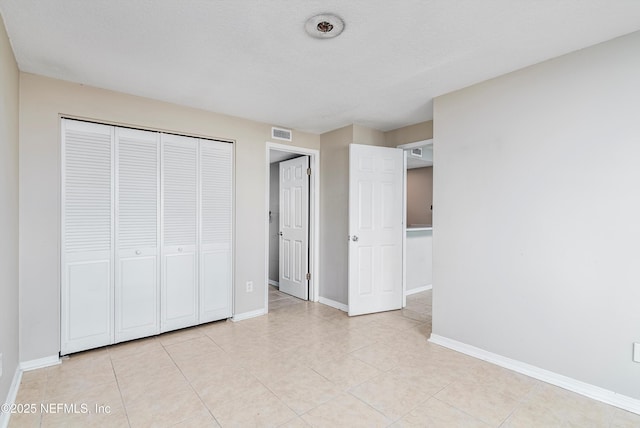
{"x": 417, "y": 152}
{"x": 281, "y": 134}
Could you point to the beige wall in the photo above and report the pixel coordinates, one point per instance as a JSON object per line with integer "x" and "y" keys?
{"x": 409, "y": 134}
{"x": 367, "y": 136}
{"x": 334, "y": 212}
{"x": 9, "y": 84}
{"x": 419, "y": 195}
{"x": 42, "y": 101}
{"x": 535, "y": 256}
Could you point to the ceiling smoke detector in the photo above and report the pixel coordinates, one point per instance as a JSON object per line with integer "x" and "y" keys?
{"x": 324, "y": 26}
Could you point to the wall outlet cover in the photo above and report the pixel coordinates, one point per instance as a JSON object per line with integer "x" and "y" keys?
{"x": 636, "y": 352}
{"x": 249, "y": 286}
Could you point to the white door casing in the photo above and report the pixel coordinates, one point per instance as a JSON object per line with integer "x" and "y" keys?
{"x": 179, "y": 292}
{"x": 87, "y": 236}
{"x": 294, "y": 227}
{"x": 137, "y": 249}
{"x": 376, "y": 228}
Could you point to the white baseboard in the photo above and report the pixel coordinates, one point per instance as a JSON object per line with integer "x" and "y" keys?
{"x": 274, "y": 283}
{"x": 53, "y": 360}
{"x": 582, "y": 388}
{"x": 418, "y": 289}
{"x": 11, "y": 396}
{"x": 334, "y": 304}
{"x": 17, "y": 377}
{"x": 247, "y": 315}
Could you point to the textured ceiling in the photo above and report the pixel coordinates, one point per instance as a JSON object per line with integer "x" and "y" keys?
{"x": 253, "y": 59}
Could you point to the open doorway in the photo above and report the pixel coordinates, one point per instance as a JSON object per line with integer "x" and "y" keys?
{"x": 291, "y": 227}
{"x": 418, "y": 220}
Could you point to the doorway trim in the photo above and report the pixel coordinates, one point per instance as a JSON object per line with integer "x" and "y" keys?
{"x": 314, "y": 218}
{"x": 405, "y": 147}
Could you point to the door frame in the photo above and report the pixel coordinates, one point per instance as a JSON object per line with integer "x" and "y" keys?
{"x": 404, "y": 148}
{"x": 314, "y": 218}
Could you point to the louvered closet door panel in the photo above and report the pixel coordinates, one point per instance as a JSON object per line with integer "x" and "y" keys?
{"x": 87, "y": 236}
{"x": 179, "y": 232}
{"x": 137, "y": 285}
{"x": 216, "y": 166}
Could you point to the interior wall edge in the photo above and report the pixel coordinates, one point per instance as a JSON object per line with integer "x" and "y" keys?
{"x": 9, "y": 213}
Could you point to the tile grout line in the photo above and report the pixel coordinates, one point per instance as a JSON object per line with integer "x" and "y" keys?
{"x": 523, "y": 400}
{"x": 371, "y": 407}
{"x": 463, "y": 412}
{"x": 190, "y": 385}
{"x": 115, "y": 375}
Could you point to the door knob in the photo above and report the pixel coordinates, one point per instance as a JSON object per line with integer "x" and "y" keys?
{"x": 354, "y": 238}
{"x": 280, "y": 233}
{"x": 138, "y": 252}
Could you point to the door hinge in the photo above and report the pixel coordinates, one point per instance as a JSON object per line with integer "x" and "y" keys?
{"x": 308, "y": 276}
{"x": 308, "y": 171}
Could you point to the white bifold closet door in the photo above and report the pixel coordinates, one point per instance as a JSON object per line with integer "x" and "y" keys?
{"x": 147, "y": 233}
{"x": 137, "y": 250}
{"x": 87, "y": 236}
{"x": 216, "y": 217}
{"x": 179, "y": 232}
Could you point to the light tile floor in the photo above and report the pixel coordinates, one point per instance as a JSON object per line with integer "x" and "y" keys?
{"x": 304, "y": 364}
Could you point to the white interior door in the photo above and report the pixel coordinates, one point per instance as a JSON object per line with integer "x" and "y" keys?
{"x": 216, "y": 230}
{"x": 376, "y": 227}
{"x": 294, "y": 227}
{"x": 137, "y": 285}
{"x": 179, "y": 293}
{"x": 87, "y": 236}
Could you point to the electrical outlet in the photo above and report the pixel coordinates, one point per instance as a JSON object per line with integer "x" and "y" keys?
{"x": 636, "y": 352}
{"x": 249, "y": 286}
{"x": 0, "y": 365}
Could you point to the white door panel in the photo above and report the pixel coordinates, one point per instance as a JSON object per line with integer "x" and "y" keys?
{"x": 87, "y": 305}
{"x": 179, "y": 293}
{"x": 137, "y": 305}
{"x": 87, "y": 236}
{"x": 179, "y": 289}
{"x": 294, "y": 227}
{"x": 215, "y": 280}
{"x": 137, "y": 286}
{"x": 216, "y": 230}
{"x": 375, "y": 229}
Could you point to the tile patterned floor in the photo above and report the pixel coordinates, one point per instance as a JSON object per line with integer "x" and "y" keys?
{"x": 304, "y": 364}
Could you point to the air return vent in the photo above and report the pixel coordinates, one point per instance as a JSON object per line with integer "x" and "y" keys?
{"x": 417, "y": 152}
{"x": 281, "y": 134}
